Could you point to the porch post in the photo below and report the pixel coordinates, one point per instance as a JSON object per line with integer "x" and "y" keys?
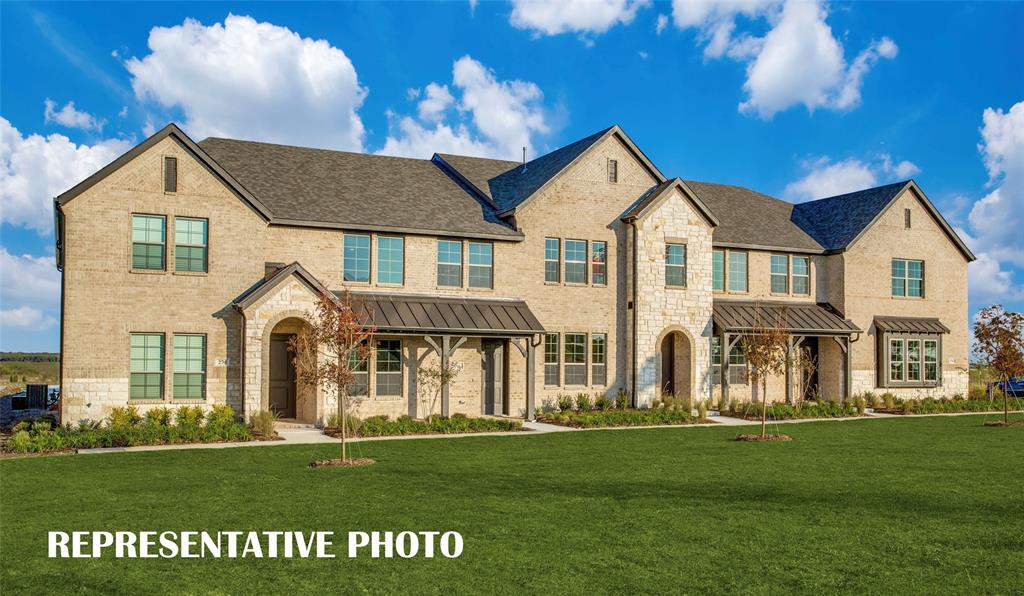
{"x": 789, "y": 370}
{"x": 531, "y": 380}
{"x": 445, "y": 343}
{"x": 848, "y": 372}
{"x": 724, "y": 343}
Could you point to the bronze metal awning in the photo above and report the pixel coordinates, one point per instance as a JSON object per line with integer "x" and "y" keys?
{"x": 910, "y": 325}
{"x": 799, "y": 318}
{"x": 410, "y": 313}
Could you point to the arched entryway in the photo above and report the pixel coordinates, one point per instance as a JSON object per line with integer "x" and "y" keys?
{"x": 285, "y": 394}
{"x": 676, "y": 365}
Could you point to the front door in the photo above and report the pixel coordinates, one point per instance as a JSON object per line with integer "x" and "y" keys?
{"x": 493, "y": 368}
{"x": 282, "y": 376}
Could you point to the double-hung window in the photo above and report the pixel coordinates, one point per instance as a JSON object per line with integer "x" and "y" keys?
{"x": 599, "y": 359}
{"x": 389, "y": 367}
{"x": 599, "y": 262}
{"x": 576, "y": 261}
{"x": 360, "y": 371}
{"x": 481, "y": 265}
{"x": 189, "y": 366}
{"x": 147, "y": 366}
{"x": 737, "y": 271}
{"x": 449, "y": 263}
{"x": 551, "y": 359}
{"x": 675, "y": 265}
{"x": 718, "y": 270}
{"x": 907, "y": 278}
{"x": 148, "y": 237}
{"x": 575, "y": 359}
{"x": 737, "y": 363}
{"x": 356, "y": 262}
{"x": 931, "y": 361}
{"x": 552, "y": 260}
{"x": 190, "y": 244}
{"x": 391, "y": 260}
{"x": 780, "y": 274}
{"x": 802, "y": 276}
{"x": 897, "y": 360}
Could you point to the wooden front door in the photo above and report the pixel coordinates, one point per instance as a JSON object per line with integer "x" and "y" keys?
{"x": 282, "y": 376}
{"x": 494, "y": 376}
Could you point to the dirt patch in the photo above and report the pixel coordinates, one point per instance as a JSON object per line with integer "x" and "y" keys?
{"x": 1000, "y": 423}
{"x": 758, "y": 438}
{"x": 342, "y": 463}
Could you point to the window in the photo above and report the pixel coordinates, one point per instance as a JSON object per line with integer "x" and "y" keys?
{"x": 148, "y": 241}
{"x": 390, "y": 260}
{"x": 551, "y": 359}
{"x": 189, "y": 367}
{"x": 389, "y": 367}
{"x": 907, "y": 278}
{"x": 913, "y": 360}
{"x": 147, "y": 366}
{"x": 737, "y": 271}
{"x": 360, "y": 371}
{"x": 552, "y": 248}
{"x": 449, "y": 263}
{"x": 575, "y": 261}
{"x": 599, "y": 263}
{"x": 170, "y": 174}
{"x": 613, "y": 170}
{"x": 718, "y": 270}
{"x": 896, "y": 360}
{"x": 737, "y": 365}
{"x": 356, "y": 266}
{"x": 780, "y": 274}
{"x": 481, "y": 265}
{"x": 675, "y": 265}
{"x": 575, "y": 359}
{"x": 906, "y": 218}
{"x": 931, "y": 360}
{"x": 189, "y": 244}
{"x": 802, "y": 276}
{"x": 599, "y": 359}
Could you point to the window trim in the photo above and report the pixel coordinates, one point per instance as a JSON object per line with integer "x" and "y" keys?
{"x": 682, "y": 245}
{"x": 793, "y": 275}
{"x": 163, "y": 367}
{"x": 725, "y": 268}
{"x": 906, "y": 278}
{"x": 206, "y": 368}
{"x": 131, "y": 244}
{"x": 438, "y": 263}
{"x": 469, "y": 265}
{"x": 883, "y": 360}
{"x": 376, "y": 275}
{"x": 728, "y": 272}
{"x": 369, "y": 258}
{"x": 603, "y": 365}
{"x": 205, "y": 247}
{"x": 557, "y": 364}
{"x": 565, "y": 359}
{"x": 565, "y": 262}
{"x": 400, "y": 373}
{"x": 593, "y": 263}
{"x": 785, "y": 274}
{"x": 557, "y": 261}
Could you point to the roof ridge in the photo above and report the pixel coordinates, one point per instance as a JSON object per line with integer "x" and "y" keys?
{"x": 858, "y": 191}
{"x": 317, "y": 149}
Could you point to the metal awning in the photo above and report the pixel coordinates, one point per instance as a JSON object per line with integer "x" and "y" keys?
{"x": 799, "y": 318}
{"x": 910, "y": 325}
{"x": 410, "y": 313}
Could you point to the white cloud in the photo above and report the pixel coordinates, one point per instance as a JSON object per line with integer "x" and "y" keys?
{"x": 251, "y": 80}
{"x": 34, "y": 169}
{"x": 70, "y": 117}
{"x": 825, "y": 178}
{"x": 797, "y": 62}
{"x": 989, "y": 282}
{"x": 661, "y": 23}
{"x": 643, "y": 55}
{"x": 25, "y": 318}
{"x": 30, "y": 287}
{"x": 123, "y": 113}
{"x": 493, "y": 118}
{"x": 553, "y": 17}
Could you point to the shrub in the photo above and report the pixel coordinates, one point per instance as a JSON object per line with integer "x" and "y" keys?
{"x": 40, "y": 426}
{"x": 861, "y": 404}
{"x": 583, "y": 403}
{"x": 871, "y": 399}
{"x": 221, "y": 417}
{"x": 603, "y": 403}
{"x": 685, "y": 404}
{"x": 622, "y": 399}
{"x": 626, "y": 417}
{"x": 262, "y": 422}
{"x": 20, "y": 442}
{"x": 889, "y": 400}
{"x": 977, "y": 392}
{"x": 189, "y": 416}
{"x": 381, "y": 426}
{"x": 22, "y": 425}
{"x": 158, "y": 417}
{"x": 907, "y": 406}
{"x": 564, "y": 402}
{"x": 122, "y": 417}
{"x": 702, "y": 410}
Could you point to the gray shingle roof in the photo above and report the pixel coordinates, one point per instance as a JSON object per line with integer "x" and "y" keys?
{"x": 749, "y": 218}
{"x": 478, "y": 170}
{"x": 341, "y": 189}
{"x": 835, "y": 222}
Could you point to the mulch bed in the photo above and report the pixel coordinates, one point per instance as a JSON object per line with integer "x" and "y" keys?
{"x": 1000, "y": 423}
{"x": 759, "y": 438}
{"x": 342, "y": 463}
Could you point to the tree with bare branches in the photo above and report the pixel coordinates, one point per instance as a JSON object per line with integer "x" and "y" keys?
{"x": 999, "y": 342}
{"x": 766, "y": 350}
{"x": 332, "y": 346}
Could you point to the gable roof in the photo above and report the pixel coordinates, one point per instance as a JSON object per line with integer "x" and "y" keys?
{"x": 652, "y": 197}
{"x": 475, "y": 171}
{"x": 265, "y": 285}
{"x": 838, "y": 222}
{"x": 749, "y": 219}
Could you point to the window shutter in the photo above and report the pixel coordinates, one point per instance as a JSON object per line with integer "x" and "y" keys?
{"x": 170, "y": 174}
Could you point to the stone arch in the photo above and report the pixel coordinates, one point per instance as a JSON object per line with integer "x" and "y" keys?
{"x": 308, "y": 399}
{"x": 676, "y": 365}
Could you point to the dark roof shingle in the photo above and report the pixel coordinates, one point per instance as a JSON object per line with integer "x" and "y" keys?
{"x": 478, "y": 170}
{"x": 835, "y": 222}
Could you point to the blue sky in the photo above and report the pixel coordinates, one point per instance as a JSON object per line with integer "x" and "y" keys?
{"x": 798, "y": 100}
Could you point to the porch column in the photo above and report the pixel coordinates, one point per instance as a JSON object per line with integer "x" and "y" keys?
{"x": 531, "y": 379}
{"x": 848, "y": 372}
{"x": 446, "y": 342}
{"x": 789, "y": 370}
{"x": 724, "y": 344}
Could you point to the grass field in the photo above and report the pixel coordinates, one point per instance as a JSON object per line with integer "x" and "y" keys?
{"x": 922, "y": 505}
{"x": 19, "y": 368}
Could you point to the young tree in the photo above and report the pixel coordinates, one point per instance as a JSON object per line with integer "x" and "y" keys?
{"x": 766, "y": 352}
{"x": 432, "y": 380}
{"x": 331, "y": 347}
{"x": 999, "y": 342}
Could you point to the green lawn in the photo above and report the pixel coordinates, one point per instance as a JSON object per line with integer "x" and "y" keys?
{"x": 923, "y": 505}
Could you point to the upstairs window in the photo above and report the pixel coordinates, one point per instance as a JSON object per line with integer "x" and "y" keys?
{"x": 189, "y": 366}
{"x": 576, "y": 261}
{"x": 575, "y": 359}
{"x": 449, "y": 263}
{"x": 189, "y": 244}
{"x": 552, "y": 250}
{"x": 718, "y": 270}
{"x": 907, "y": 278}
{"x": 148, "y": 236}
{"x": 481, "y": 265}
{"x": 780, "y": 274}
{"x": 390, "y": 260}
{"x": 802, "y": 276}
{"x": 599, "y": 359}
{"x": 599, "y": 263}
{"x": 170, "y": 174}
{"x": 389, "y": 367}
{"x": 675, "y": 265}
{"x": 613, "y": 170}
{"x": 147, "y": 366}
{"x": 356, "y": 266}
{"x": 737, "y": 271}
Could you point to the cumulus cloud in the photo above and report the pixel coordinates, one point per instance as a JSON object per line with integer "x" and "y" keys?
{"x": 827, "y": 178}
{"x": 797, "y": 62}
{"x": 553, "y": 17}
{"x": 252, "y": 80}
{"x": 661, "y": 23}
{"x": 25, "y": 318}
{"x": 491, "y": 117}
{"x": 70, "y": 117}
{"x": 30, "y": 287}
{"x": 34, "y": 169}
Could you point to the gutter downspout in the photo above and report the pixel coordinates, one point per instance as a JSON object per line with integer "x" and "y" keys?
{"x": 241, "y": 362}
{"x": 636, "y": 262}
{"x": 61, "y": 250}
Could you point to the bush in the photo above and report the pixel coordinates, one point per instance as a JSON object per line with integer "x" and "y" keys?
{"x": 262, "y": 422}
{"x": 702, "y": 411}
{"x": 622, "y": 399}
{"x": 381, "y": 426}
{"x": 583, "y": 403}
{"x": 564, "y": 402}
{"x": 20, "y": 442}
{"x": 801, "y": 411}
{"x": 889, "y": 400}
{"x": 603, "y": 403}
{"x": 158, "y": 417}
{"x": 622, "y": 417}
{"x": 189, "y": 416}
{"x": 220, "y": 417}
{"x": 861, "y": 404}
{"x": 123, "y": 417}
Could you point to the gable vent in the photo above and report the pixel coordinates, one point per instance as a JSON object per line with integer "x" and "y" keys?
{"x": 170, "y": 174}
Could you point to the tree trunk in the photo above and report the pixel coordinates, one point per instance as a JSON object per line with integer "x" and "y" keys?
{"x": 344, "y": 418}
{"x": 1006, "y": 401}
{"x": 764, "y": 407}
